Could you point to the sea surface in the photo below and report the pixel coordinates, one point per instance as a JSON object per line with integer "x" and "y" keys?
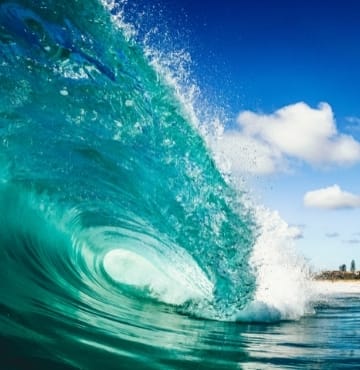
{"x": 123, "y": 242}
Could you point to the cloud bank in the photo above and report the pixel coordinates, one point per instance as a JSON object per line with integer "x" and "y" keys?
{"x": 332, "y": 197}
{"x": 268, "y": 143}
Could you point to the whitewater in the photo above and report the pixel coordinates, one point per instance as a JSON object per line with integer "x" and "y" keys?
{"x": 123, "y": 241}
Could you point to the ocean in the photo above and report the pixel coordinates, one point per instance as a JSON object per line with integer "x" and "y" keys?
{"x": 123, "y": 243}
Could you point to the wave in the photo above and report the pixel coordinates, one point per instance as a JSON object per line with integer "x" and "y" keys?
{"x": 113, "y": 210}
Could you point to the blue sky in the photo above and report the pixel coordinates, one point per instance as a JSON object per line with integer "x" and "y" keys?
{"x": 287, "y": 73}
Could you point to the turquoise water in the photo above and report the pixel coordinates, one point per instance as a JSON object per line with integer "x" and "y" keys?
{"x": 121, "y": 243}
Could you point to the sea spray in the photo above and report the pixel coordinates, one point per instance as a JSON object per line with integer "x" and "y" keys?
{"x": 284, "y": 288}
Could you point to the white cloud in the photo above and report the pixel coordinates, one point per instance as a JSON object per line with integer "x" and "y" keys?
{"x": 331, "y": 197}
{"x": 352, "y": 241}
{"x": 353, "y": 119}
{"x": 354, "y": 124}
{"x": 268, "y": 143}
{"x": 296, "y": 232}
{"x": 332, "y": 235}
{"x": 247, "y": 154}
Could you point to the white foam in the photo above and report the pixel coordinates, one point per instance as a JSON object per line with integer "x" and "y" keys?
{"x": 168, "y": 282}
{"x": 283, "y": 287}
{"x": 116, "y": 9}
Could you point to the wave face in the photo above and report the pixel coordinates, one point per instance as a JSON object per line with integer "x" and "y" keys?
{"x": 114, "y": 218}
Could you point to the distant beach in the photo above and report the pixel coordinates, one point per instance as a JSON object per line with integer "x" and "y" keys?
{"x": 333, "y": 288}
{"x": 337, "y": 282}
{"x": 335, "y": 276}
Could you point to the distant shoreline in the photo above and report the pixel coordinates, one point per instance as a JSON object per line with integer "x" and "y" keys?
{"x": 334, "y": 276}
{"x": 353, "y": 281}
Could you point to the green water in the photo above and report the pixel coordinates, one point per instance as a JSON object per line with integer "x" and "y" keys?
{"x": 116, "y": 226}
